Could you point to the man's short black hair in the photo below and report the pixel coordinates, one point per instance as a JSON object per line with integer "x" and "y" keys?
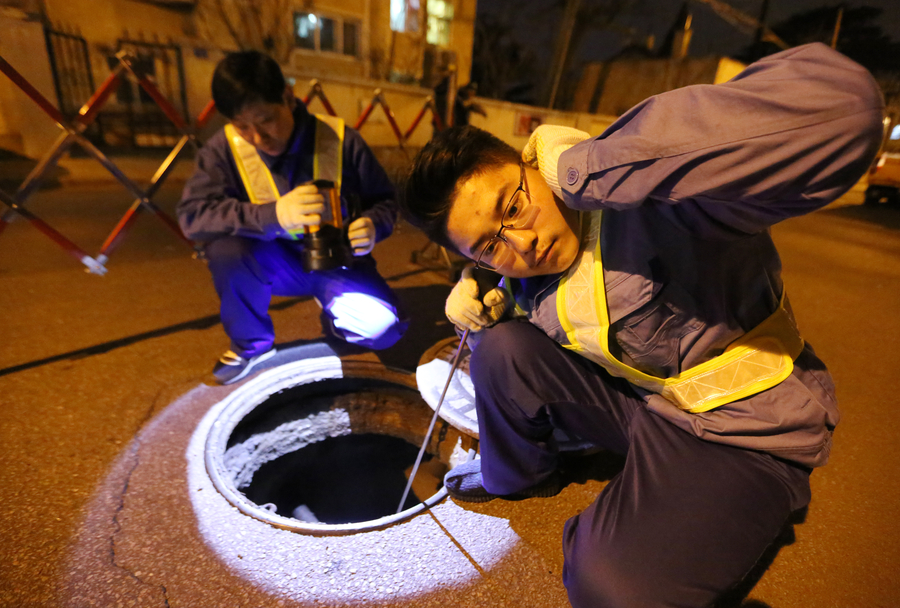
{"x": 246, "y": 77}
{"x": 451, "y": 157}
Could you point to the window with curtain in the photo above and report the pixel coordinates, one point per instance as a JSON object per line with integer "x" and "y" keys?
{"x": 405, "y": 15}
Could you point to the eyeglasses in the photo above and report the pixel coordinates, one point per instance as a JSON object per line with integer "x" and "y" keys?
{"x": 519, "y": 214}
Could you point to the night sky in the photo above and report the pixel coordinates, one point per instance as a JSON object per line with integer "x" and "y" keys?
{"x": 539, "y": 20}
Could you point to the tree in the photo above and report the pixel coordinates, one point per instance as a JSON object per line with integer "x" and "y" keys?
{"x": 512, "y": 43}
{"x": 859, "y": 37}
{"x": 250, "y": 24}
{"x": 502, "y": 65}
{"x": 591, "y": 16}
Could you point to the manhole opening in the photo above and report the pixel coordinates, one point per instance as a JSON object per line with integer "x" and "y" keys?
{"x": 347, "y": 479}
{"x": 337, "y": 451}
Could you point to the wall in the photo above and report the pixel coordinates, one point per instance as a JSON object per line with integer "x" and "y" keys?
{"x": 616, "y": 86}
{"x": 462, "y": 38}
{"x": 199, "y": 64}
{"x": 508, "y": 121}
{"x": 349, "y": 98}
{"x": 24, "y": 127}
{"x": 103, "y": 22}
{"x": 728, "y": 69}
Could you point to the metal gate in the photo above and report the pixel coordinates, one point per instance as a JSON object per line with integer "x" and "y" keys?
{"x": 135, "y": 120}
{"x": 73, "y": 78}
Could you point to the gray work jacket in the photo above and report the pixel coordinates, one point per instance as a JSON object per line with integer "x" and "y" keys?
{"x": 690, "y": 182}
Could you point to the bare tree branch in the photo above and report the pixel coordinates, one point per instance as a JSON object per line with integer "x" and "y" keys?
{"x": 222, "y": 14}
{"x": 252, "y": 24}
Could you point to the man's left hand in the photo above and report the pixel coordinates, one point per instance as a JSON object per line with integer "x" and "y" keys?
{"x": 362, "y": 235}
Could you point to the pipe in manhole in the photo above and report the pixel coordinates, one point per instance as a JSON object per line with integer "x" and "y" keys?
{"x": 323, "y": 446}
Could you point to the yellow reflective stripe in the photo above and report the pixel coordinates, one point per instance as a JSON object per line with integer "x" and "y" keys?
{"x": 752, "y": 368}
{"x": 563, "y": 315}
{"x": 756, "y": 361}
{"x": 255, "y": 175}
{"x": 328, "y": 158}
{"x": 328, "y": 155}
{"x": 566, "y": 309}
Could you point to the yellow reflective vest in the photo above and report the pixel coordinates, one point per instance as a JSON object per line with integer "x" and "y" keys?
{"x": 758, "y": 360}
{"x": 257, "y": 179}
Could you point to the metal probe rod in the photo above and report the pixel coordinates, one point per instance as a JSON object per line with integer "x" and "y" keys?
{"x": 453, "y": 366}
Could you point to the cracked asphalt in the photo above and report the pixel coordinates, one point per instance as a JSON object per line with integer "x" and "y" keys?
{"x": 105, "y": 380}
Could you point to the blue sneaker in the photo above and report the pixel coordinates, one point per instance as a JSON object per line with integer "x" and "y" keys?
{"x": 231, "y": 367}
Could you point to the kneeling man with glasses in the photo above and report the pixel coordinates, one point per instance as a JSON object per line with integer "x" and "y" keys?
{"x": 642, "y": 311}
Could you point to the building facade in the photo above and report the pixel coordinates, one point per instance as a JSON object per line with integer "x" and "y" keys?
{"x": 66, "y": 48}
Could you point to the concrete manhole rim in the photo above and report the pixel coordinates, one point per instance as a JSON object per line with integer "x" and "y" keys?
{"x": 256, "y": 391}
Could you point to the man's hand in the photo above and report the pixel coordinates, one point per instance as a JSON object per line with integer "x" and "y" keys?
{"x": 361, "y": 233}
{"x": 465, "y": 310}
{"x": 544, "y": 148}
{"x": 302, "y": 206}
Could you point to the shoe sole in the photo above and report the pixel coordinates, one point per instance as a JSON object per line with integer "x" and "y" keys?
{"x": 546, "y": 489}
{"x": 263, "y": 357}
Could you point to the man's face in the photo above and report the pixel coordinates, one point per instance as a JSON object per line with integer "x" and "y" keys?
{"x": 268, "y": 126}
{"x": 548, "y": 246}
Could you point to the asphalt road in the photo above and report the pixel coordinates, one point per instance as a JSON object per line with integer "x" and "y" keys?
{"x": 86, "y": 362}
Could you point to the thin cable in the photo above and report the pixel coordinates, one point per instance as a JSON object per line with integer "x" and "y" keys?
{"x": 453, "y": 366}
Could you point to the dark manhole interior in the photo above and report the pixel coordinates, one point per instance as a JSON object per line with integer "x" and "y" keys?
{"x": 356, "y": 476}
{"x": 340, "y": 480}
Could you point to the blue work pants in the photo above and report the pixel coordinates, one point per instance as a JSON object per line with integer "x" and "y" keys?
{"x": 248, "y": 272}
{"x": 681, "y": 523}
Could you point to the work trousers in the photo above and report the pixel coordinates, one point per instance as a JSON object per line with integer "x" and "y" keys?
{"x": 248, "y": 272}
{"x": 680, "y": 524}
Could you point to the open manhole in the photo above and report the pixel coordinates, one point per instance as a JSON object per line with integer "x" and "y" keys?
{"x": 326, "y": 447}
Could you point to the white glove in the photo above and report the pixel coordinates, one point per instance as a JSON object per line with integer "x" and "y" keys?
{"x": 361, "y": 233}
{"x": 302, "y": 206}
{"x": 465, "y": 310}
{"x": 544, "y": 147}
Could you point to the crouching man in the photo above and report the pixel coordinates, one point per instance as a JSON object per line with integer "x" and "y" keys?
{"x": 251, "y": 199}
{"x": 643, "y": 311}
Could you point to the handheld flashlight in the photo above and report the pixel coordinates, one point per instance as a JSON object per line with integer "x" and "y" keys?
{"x": 325, "y": 247}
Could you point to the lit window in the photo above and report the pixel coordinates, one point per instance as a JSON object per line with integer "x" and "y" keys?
{"x": 326, "y": 34}
{"x": 305, "y": 30}
{"x": 895, "y": 132}
{"x": 440, "y": 16}
{"x": 405, "y": 15}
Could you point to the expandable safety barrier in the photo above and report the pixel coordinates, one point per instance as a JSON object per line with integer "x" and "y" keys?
{"x": 316, "y": 92}
{"x": 73, "y": 134}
